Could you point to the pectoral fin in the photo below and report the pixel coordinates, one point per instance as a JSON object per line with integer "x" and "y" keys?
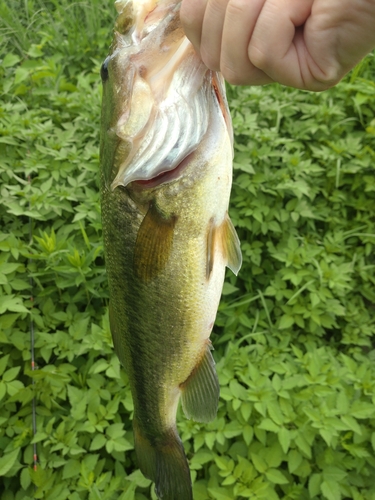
{"x": 231, "y": 245}
{"x": 225, "y": 239}
{"x": 153, "y": 244}
{"x": 200, "y": 392}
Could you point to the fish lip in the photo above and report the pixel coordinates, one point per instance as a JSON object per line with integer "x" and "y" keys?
{"x": 165, "y": 177}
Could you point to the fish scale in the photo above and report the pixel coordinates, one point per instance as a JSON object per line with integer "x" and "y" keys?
{"x": 167, "y": 234}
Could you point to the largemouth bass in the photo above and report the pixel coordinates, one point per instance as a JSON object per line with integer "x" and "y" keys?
{"x": 166, "y": 170}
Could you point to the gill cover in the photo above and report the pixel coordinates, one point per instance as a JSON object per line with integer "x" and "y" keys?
{"x": 171, "y": 96}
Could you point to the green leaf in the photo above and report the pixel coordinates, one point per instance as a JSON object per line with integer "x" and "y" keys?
{"x": 228, "y": 288}
{"x": 25, "y": 478}
{"x": 10, "y": 60}
{"x": 39, "y": 436}
{"x": 302, "y": 444}
{"x": 3, "y": 389}
{"x": 139, "y": 479}
{"x": 268, "y": 425}
{"x": 98, "y": 442}
{"x": 248, "y": 434}
{"x": 99, "y": 366}
{"x": 351, "y": 423}
{"x": 7, "y": 461}
{"x": 331, "y": 490}
{"x": 362, "y": 410}
{"x": 246, "y": 409}
{"x": 71, "y": 469}
{"x": 258, "y": 463}
{"x": 274, "y": 411}
{"x": 332, "y": 473}
{"x": 219, "y": 494}
{"x": 3, "y": 363}
{"x": 238, "y": 390}
{"x": 129, "y": 494}
{"x": 11, "y": 303}
{"x": 314, "y": 484}
{"x": 294, "y": 460}
{"x": 11, "y": 374}
{"x": 284, "y": 436}
{"x": 276, "y": 477}
{"x": 286, "y": 321}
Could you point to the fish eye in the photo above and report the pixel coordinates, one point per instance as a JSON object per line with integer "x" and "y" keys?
{"x": 104, "y": 70}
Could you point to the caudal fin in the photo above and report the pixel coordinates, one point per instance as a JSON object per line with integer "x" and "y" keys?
{"x": 163, "y": 461}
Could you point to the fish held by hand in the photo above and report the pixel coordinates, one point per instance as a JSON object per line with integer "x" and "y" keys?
{"x": 166, "y": 171}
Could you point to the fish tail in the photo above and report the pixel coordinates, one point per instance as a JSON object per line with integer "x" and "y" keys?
{"x": 163, "y": 460}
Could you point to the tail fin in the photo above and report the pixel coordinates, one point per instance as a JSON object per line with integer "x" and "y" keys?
{"x": 164, "y": 462}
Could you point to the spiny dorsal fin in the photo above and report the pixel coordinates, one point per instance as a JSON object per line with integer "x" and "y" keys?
{"x": 200, "y": 392}
{"x": 153, "y": 244}
{"x": 226, "y": 237}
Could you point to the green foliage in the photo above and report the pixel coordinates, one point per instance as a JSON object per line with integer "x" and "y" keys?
{"x": 294, "y": 336}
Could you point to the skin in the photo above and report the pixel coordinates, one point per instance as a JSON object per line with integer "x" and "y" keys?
{"x": 306, "y": 44}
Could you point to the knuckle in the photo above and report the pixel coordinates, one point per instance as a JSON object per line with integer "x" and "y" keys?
{"x": 257, "y": 57}
{"x": 231, "y": 76}
{"x": 187, "y": 15}
{"x": 237, "y": 8}
{"x": 217, "y": 6}
{"x": 326, "y": 76}
{"x": 210, "y": 60}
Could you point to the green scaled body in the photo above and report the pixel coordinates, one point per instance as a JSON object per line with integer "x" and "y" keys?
{"x": 166, "y": 169}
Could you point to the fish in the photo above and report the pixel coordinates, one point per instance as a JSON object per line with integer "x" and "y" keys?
{"x": 166, "y": 153}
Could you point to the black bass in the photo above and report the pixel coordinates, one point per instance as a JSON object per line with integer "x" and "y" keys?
{"x": 166, "y": 173}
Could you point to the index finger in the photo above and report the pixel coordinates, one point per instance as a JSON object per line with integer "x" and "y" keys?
{"x": 192, "y": 15}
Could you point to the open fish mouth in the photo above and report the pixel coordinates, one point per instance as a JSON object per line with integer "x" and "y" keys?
{"x": 165, "y": 176}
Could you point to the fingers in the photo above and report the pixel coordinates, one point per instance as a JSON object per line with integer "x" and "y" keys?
{"x": 192, "y": 14}
{"x": 307, "y": 44}
{"x": 251, "y": 41}
{"x": 220, "y": 31}
{"x": 277, "y": 45}
{"x": 239, "y": 23}
{"x": 212, "y": 30}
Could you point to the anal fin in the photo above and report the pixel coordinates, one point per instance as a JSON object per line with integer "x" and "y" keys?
{"x": 200, "y": 392}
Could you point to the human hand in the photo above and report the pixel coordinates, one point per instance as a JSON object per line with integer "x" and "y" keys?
{"x": 306, "y": 44}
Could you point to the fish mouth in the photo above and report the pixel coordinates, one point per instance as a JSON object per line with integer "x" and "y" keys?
{"x": 164, "y": 177}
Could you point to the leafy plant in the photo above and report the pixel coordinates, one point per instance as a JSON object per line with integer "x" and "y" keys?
{"x": 294, "y": 336}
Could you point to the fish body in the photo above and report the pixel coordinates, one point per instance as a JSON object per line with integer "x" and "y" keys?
{"x": 166, "y": 170}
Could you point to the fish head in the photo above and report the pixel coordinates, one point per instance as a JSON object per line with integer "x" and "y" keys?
{"x": 159, "y": 99}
